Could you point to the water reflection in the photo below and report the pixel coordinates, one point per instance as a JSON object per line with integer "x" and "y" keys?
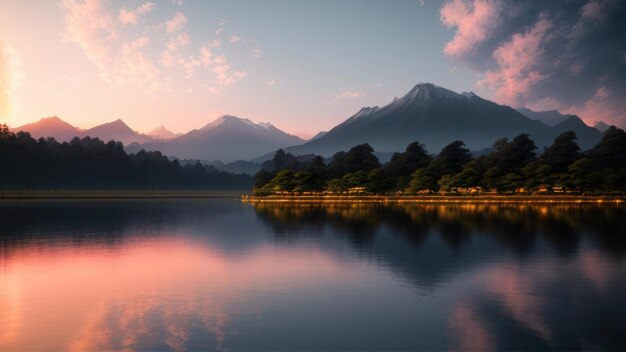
{"x": 514, "y": 226}
{"x": 219, "y": 275}
{"x": 561, "y": 274}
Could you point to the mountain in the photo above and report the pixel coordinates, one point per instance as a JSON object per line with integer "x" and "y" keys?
{"x": 63, "y": 131}
{"x": 228, "y": 138}
{"x": 587, "y": 136}
{"x": 50, "y": 127}
{"x": 550, "y": 118}
{"x": 116, "y": 130}
{"x": 162, "y": 133}
{"x": 601, "y": 126}
{"x": 431, "y": 115}
{"x": 318, "y": 135}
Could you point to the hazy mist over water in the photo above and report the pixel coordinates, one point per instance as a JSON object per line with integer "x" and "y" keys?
{"x": 216, "y": 274}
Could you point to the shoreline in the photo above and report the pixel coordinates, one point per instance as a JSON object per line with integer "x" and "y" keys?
{"x": 307, "y": 199}
{"x": 433, "y": 199}
{"x": 114, "y": 194}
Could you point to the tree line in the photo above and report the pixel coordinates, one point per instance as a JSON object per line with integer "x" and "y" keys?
{"x": 511, "y": 166}
{"x": 91, "y": 163}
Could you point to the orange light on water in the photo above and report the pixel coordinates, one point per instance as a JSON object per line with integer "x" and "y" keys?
{"x": 98, "y": 298}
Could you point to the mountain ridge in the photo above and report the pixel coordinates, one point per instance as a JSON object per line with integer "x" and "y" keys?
{"x": 63, "y": 131}
{"x": 228, "y": 138}
{"x": 432, "y": 115}
{"x": 161, "y": 132}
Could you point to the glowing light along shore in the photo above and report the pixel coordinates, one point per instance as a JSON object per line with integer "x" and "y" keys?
{"x": 436, "y": 199}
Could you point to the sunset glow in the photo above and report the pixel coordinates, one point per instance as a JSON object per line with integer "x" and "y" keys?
{"x": 300, "y": 66}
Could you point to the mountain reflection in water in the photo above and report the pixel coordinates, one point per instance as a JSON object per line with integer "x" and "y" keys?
{"x": 221, "y": 275}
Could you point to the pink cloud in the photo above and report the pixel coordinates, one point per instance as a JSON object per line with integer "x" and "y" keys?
{"x": 517, "y": 62}
{"x": 146, "y": 7}
{"x": 234, "y": 39}
{"x": 221, "y": 73}
{"x": 205, "y": 56}
{"x": 127, "y": 16}
{"x": 176, "y": 23}
{"x": 11, "y": 77}
{"x": 473, "y": 21}
{"x": 220, "y": 59}
{"x": 181, "y": 40}
{"x": 216, "y": 43}
{"x": 130, "y": 16}
{"x": 600, "y": 108}
{"x": 241, "y": 74}
{"x": 594, "y": 10}
{"x": 92, "y": 26}
{"x": 167, "y": 59}
{"x": 127, "y": 55}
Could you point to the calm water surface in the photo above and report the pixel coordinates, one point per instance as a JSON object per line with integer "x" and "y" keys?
{"x": 220, "y": 275}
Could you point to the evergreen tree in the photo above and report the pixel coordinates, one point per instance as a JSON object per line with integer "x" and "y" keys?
{"x": 562, "y": 153}
{"x": 404, "y": 164}
{"x": 358, "y": 158}
{"x": 450, "y": 160}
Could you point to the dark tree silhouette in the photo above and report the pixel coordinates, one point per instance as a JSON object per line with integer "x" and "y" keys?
{"x": 359, "y": 158}
{"x": 512, "y": 166}
{"x": 562, "y": 153}
{"x": 92, "y": 163}
{"x": 450, "y": 160}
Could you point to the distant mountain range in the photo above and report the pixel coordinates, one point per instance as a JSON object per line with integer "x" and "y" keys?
{"x": 117, "y": 130}
{"x": 436, "y": 116}
{"x": 601, "y": 126}
{"x": 228, "y": 138}
{"x": 430, "y": 114}
{"x": 50, "y": 127}
{"x": 550, "y": 118}
{"x": 587, "y": 136}
{"x": 163, "y": 133}
{"x": 63, "y": 131}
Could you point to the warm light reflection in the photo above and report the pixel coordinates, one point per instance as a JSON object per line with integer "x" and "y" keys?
{"x": 146, "y": 293}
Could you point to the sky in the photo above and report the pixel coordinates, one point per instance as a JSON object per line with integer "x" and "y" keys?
{"x": 304, "y": 66}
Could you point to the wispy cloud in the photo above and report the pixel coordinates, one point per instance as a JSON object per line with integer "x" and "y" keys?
{"x": 473, "y": 21}
{"x": 176, "y": 23}
{"x": 517, "y": 59}
{"x": 11, "y": 77}
{"x": 543, "y": 53}
{"x": 348, "y": 94}
{"x": 271, "y": 82}
{"x": 139, "y": 55}
{"x": 257, "y": 53}
{"x": 120, "y": 60}
{"x": 220, "y": 27}
{"x": 181, "y": 40}
{"x": 130, "y": 16}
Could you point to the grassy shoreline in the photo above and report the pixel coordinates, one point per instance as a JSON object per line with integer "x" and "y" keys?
{"x": 434, "y": 199}
{"x": 114, "y": 194}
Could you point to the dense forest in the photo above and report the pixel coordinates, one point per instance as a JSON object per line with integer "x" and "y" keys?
{"x": 92, "y": 163}
{"x": 511, "y": 166}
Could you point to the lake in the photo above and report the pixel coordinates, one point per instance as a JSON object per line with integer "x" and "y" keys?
{"x": 216, "y": 274}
